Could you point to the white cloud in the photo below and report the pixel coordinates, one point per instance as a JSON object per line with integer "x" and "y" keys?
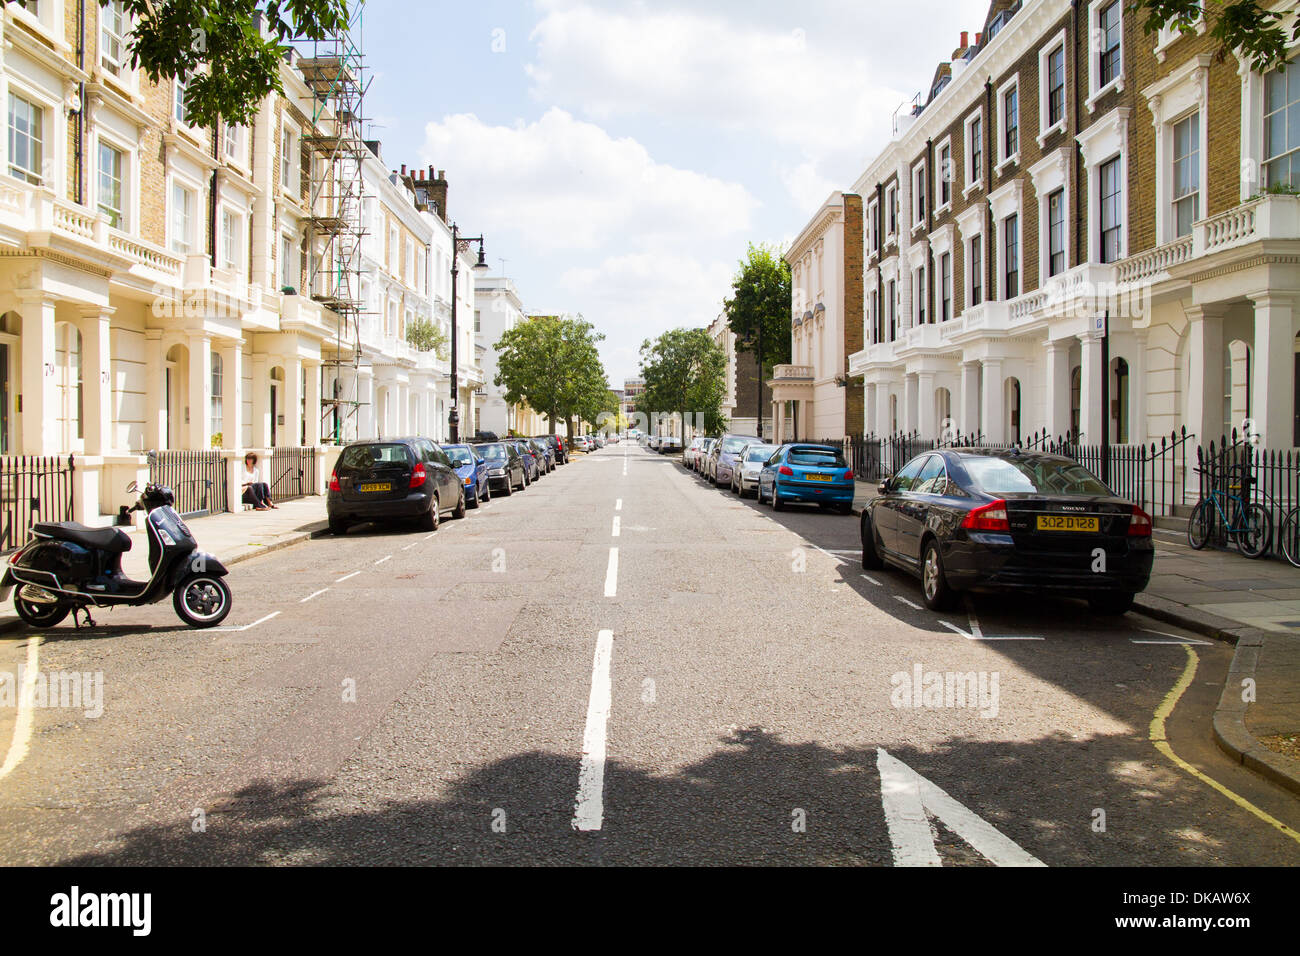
{"x": 563, "y": 183}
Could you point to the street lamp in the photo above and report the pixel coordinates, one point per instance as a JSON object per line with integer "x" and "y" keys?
{"x": 459, "y": 244}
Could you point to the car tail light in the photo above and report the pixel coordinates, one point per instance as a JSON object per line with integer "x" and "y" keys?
{"x": 989, "y": 517}
{"x": 334, "y": 482}
{"x": 785, "y": 470}
{"x": 417, "y": 475}
{"x": 1139, "y": 526}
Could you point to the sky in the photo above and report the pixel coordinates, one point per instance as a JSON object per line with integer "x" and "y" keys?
{"x": 620, "y": 155}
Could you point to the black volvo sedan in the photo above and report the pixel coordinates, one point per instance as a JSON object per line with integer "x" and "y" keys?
{"x": 963, "y": 518}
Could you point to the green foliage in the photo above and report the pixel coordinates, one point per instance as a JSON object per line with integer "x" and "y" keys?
{"x": 239, "y": 60}
{"x": 551, "y": 363}
{"x": 424, "y": 335}
{"x": 685, "y": 371}
{"x": 761, "y": 301}
{"x": 1244, "y": 25}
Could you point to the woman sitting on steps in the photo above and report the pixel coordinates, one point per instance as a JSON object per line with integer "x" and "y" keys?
{"x": 256, "y": 491}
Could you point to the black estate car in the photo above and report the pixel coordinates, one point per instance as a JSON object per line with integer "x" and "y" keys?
{"x": 962, "y": 518}
{"x": 393, "y": 479}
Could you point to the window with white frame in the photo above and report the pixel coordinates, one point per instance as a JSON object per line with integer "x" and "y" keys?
{"x": 1009, "y": 117}
{"x": 975, "y": 265}
{"x": 1056, "y": 232}
{"x": 919, "y": 295}
{"x": 974, "y": 151}
{"x": 26, "y": 139}
{"x": 918, "y": 194}
{"x": 891, "y": 293}
{"x": 232, "y": 242}
{"x": 287, "y": 156}
{"x": 109, "y": 164}
{"x": 873, "y": 229}
{"x": 183, "y": 201}
{"x": 394, "y": 249}
{"x": 1177, "y": 27}
{"x": 1011, "y": 257}
{"x": 233, "y": 140}
{"x": 945, "y": 287}
{"x": 1186, "y": 174}
{"x": 288, "y": 263}
{"x": 1051, "y": 92}
{"x": 114, "y": 24}
{"x": 891, "y": 205}
{"x": 179, "y": 110}
{"x": 1110, "y": 196}
{"x": 945, "y": 175}
{"x": 1106, "y": 50}
{"x": 1281, "y": 157}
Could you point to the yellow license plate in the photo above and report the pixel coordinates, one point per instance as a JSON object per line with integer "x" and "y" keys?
{"x": 375, "y": 486}
{"x": 1068, "y": 523}
{"x": 818, "y": 477}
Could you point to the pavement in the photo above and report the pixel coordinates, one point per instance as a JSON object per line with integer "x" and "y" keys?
{"x": 1253, "y": 604}
{"x": 394, "y": 697}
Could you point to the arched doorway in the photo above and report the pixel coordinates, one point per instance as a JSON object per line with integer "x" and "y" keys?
{"x": 1237, "y": 373}
{"x": 70, "y": 420}
{"x": 943, "y": 414}
{"x": 10, "y": 325}
{"x": 1119, "y": 402}
{"x": 1076, "y": 401}
{"x": 176, "y": 388}
{"x": 1012, "y": 398}
{"x": 277, "y": 411}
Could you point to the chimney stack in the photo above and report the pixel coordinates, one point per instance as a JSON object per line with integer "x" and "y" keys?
{"x": 438, "y": 192}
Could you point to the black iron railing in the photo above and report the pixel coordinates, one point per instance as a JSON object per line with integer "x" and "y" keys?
{"x": 198, "y": 479}
{"x": 33, "y": 488}
{"x": 292, "y": 473}
{"x": 1269, "y": 477}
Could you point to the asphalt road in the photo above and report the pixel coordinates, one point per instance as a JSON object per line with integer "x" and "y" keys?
{"x": 442, "y": 699}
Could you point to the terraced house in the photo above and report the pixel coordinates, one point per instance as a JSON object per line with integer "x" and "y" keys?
{"x": 171, "y": 296}
{"x": 1067, "y": 177}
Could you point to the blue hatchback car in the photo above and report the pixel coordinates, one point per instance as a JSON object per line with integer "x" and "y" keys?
{"x": 808, "y": 474}
{"x": 472, "y": 472}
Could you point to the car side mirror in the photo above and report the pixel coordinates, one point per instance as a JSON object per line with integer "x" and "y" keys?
{"x": 886, "y": 485}
{"x": 480, "y": 461}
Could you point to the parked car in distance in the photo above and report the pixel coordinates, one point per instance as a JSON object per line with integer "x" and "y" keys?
{"x": 722, "y": 458}
{"x": 613, "y": 438}
{"x": 506, "y": 468}
{"x": 393, "y": 479}
{"x": 561, "y": 454}
{"x": 964, "y": 518}
{"x": 670, "y": 445}
{"x": 809, "y": 474}
{"x": 472, "y": 471}
{"x": 744, "y": 477}
{"x": 653, "y": 443}
{"x": 692, "y": 451}
{"x": 545, "y": 455}
{"x": 531, "y": 466}
{"x": 702, "y": 457}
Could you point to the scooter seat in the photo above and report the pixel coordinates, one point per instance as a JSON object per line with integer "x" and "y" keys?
{"x": 112, "y": 540}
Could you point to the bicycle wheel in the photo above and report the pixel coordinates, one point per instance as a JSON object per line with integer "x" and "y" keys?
{"x": 1200, "y": 525}
{"x": 1256, "y": 532}
{"x": 1291, "y": 537}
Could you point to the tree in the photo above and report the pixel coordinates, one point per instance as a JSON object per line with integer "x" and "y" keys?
{"x": 1245, "y": 25}
{"x": 551, "y": 362}
{"x": 760, "y": 308}
{"x": 423, "y": 335}
{"x": 685, "y": 372}
{"x": 229, "y": 50}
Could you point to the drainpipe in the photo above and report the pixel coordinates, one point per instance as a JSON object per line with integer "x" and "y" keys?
{"x": 880, "y": 282}
{"x": 79, "y": 138}
{"x": 990, "y": 245}
{"x": 929, "y": 226}
{"x": 212, "y": 199}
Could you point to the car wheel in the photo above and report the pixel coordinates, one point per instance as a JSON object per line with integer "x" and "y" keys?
{"x": 487, "y": 492}
{"x": 478, "y": 499}
{"x": 338, "y": 526}
{"x": 871, "y": 559}
{"x": 777, "y": 503}
{"x": 429, "y": 522}
{"x": 507, "y": 489}
{"x": 460, "y": 506}
{"x": 1112, "y": 603}
{"x": 934, "y": 584}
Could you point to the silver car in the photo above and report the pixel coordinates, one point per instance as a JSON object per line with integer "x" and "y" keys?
{"x": 744, "y": 477}
{"x": 723, "y": 455}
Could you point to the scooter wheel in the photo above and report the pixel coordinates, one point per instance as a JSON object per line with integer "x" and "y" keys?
{"x": 40, "y": 615}
{"x": 202, "y": 600}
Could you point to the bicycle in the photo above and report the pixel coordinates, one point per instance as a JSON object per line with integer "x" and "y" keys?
{"x": 1250, "y": 526}
{"x": 1291, "y": 536}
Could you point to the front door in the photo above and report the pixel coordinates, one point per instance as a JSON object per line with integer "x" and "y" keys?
{"x": 4, "y": 399}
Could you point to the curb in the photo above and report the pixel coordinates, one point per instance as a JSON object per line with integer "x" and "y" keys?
{"x": 254, "y": 551}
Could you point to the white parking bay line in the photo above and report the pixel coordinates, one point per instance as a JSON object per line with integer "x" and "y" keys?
{"x": 1172, "y": 639}
{"x": 611, "y": 574}
{"x": 346, "y": 576}
{"x": 614, "y": 531}
{"x": 872, "y": 580}
{"x": 316, "y": 595}
{"x": 23, "y": 719}
{"x": 249, "y": 627}
{"x": 387, "y": 557}
{"x": 903, "y": 600}
{"x": 618, "y": 505}
{"x": 589, "y": 809}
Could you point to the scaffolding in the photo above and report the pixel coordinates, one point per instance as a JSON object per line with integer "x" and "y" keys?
{"x": 334, "y": 70}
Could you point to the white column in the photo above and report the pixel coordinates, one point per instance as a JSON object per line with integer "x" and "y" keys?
{"x": 155, "y": 390}
{"x": 367, "y": 414}
{"x": 39, "y": 385}
{"x": 292, "y": 434}
{"x": 1137, "y": 389}
{"x": 198, "y": 432}
{"x": 1090, "y": 373}
{"x": 968, "y": 414}
{"x": 1272, "y": 400}
{"x": 232, "y": 394}
{"x": 992, "y": 414}
{"x": 926, "y": 422}
{"x": 97, "y": 379}
{"x": 1058, "y": 387}
{"x": 1205, "y": 380}
{"x": 314, "y": 409}
{"x": 261, "y": 401}
{"x": 909, "y": 403}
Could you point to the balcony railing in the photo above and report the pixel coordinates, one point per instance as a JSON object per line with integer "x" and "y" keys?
{"x": 793, "y": 373}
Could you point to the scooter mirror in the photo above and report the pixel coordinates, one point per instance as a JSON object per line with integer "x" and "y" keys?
{"x": 132, "y": 488}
